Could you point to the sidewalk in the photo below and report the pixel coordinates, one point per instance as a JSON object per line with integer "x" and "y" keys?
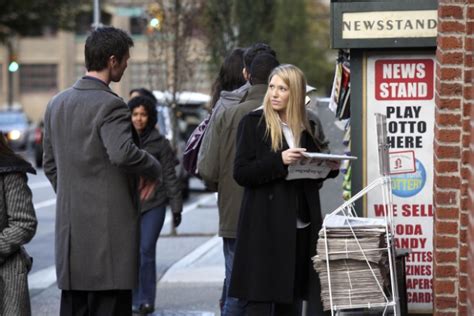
{"x": 192, "y": 286}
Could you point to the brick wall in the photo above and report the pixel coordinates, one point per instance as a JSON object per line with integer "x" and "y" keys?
{"x": 453, "y": 159}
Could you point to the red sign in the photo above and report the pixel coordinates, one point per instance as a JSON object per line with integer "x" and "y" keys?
{"x": 404, "y": 79}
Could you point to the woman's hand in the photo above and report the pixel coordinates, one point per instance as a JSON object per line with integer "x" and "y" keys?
{"x": 292, "y": 155}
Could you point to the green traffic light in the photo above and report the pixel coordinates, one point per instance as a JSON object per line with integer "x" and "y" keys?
{"x": 13, "y": 66}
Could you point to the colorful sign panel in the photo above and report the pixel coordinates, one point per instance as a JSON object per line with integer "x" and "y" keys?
{"x": 402, "y": 88}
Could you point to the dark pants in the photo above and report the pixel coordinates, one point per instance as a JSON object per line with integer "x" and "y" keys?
{"x": 273, "y": 309}
{"x": 151, "y": 223}
{"x": 232, "y": 306}
{"x": 96, "y": 303}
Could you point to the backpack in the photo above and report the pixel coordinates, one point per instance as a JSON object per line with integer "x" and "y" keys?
{"x": 191, "y": 150}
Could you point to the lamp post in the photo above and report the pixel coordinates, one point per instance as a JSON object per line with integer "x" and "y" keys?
{"x": 96, "y": 15}
{"x": 12, "y": 68}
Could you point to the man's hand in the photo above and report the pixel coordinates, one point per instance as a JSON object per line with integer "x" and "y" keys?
{"x": 292, "y": 155}
{"x": 146, "y": 188}
{"x": 176, "y": 219}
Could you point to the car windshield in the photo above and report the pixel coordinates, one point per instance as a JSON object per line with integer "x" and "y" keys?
{"x": 12, "y": 118}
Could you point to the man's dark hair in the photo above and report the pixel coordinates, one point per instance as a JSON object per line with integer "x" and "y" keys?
{"x": 150, "y": 108}
{"x": 145, "y": 93}
{"x": 253, "y": 51}
{"x": 104, "y": 42}
{"x": 261, "y": 67}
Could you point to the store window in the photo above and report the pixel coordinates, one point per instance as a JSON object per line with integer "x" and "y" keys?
{"x": 38, "y": 77}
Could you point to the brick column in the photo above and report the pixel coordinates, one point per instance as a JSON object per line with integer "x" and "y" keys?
{"x": 469, "y": 106}
{"x": 452, "y": 156}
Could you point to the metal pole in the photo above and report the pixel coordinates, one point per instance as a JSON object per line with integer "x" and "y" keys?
{"x": 96, "y": 20}
{"x": 10, "y": 76}
{"x": 177, "y": 13}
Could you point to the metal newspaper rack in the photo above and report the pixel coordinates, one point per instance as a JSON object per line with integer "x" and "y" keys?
{"x": 348, "y": 212}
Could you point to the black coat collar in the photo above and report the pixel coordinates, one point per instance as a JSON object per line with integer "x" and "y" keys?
{"x": 13, "y": 163}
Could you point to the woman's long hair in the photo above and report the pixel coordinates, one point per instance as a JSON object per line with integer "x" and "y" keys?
{"x": 230, "y": 75}
{"x": 294, "y": 78}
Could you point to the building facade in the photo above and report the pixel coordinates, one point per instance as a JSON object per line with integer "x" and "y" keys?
{"x": 454, "y": 157}
{"x": 53, "y": 60}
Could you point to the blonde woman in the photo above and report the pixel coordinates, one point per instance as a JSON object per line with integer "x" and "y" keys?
{"x": 280, "y": 219}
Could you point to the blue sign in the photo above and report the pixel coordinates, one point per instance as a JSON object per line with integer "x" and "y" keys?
{"x": 409, "y": 184}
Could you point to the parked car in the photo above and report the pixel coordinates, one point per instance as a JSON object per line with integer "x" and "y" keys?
{"x": 16, "y": 127}
{"x": 190, "y": 111}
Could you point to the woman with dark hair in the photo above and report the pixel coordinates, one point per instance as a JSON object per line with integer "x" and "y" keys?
{"x": 17, "y": 227}
{"x": 279, "y": 218}
{"x": 142, "y": 92}
{"x": 154, "y": 209}
{"x": 230, "y": 75}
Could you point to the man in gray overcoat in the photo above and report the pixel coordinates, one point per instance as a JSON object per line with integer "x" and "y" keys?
{"x": 94, "y": 165}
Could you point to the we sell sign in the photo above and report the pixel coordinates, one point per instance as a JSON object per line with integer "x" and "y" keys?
{"x": 402, "y": 88}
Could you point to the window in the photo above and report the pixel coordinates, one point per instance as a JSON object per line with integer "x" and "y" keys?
{"x": 138, "y": 25}
{"x": 39, "y": 77}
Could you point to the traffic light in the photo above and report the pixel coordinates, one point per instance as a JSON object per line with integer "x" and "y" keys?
{"x": 13, "y": 66}
{"x": 156, "y": 16}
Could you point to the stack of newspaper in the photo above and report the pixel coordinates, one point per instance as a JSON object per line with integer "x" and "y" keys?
{"x": 357, "y": 256}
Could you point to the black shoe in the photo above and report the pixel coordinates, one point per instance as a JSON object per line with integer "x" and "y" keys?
{"x": 146, "y": 309}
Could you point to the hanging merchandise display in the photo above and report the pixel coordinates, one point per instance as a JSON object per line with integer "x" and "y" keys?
{"x": 339, "y": 104}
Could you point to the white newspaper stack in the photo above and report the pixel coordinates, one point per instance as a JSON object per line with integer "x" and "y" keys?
{"x": 357, "y": 261}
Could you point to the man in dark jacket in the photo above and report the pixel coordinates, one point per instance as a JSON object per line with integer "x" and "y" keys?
{"x": 221, "y": 153}
{"x": 93, "y": 164}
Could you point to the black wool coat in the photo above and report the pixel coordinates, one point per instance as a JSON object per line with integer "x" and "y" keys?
{"x": 264, "y": 262}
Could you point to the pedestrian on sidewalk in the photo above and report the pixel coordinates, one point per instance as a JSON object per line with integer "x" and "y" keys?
{"x": 17, "y": 227}
{"x": 230, "y": 88}
{"x": 99, "y": 176}
{"x": 221, "y": 155}
{"x": 153, "y": 210}
{"x": 280, "y": 219}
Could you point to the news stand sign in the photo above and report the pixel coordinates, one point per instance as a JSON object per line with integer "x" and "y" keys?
{"x": 402, "y": 88}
